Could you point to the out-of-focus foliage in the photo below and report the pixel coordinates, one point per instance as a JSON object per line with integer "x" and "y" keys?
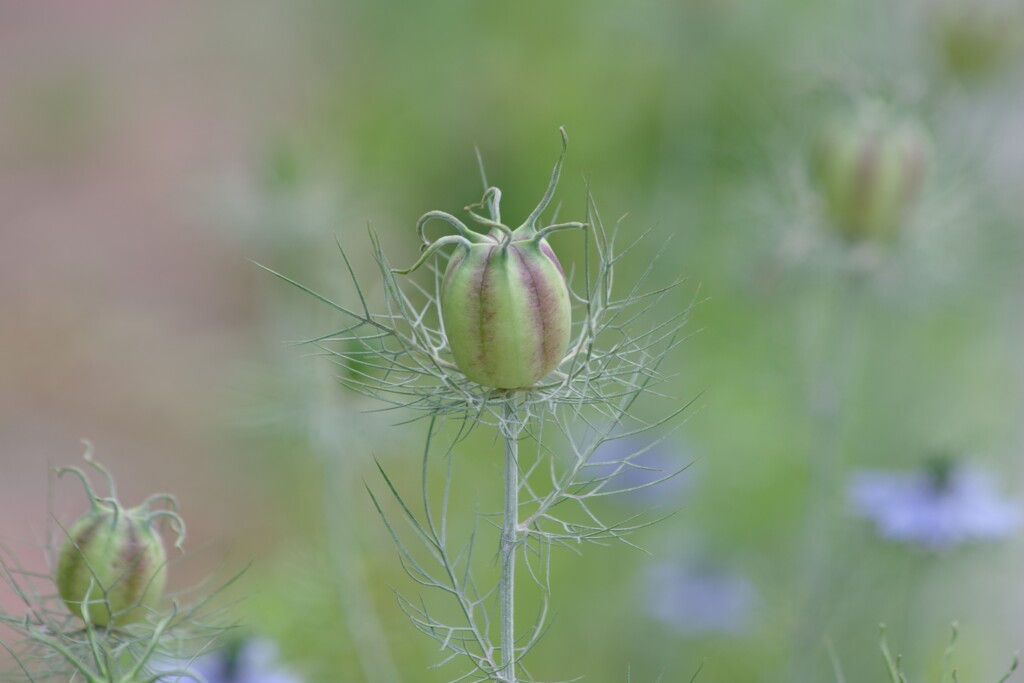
{"x": 815, "y": 358}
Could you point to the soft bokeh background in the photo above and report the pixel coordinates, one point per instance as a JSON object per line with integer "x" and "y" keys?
{"x": 149, "y": 150}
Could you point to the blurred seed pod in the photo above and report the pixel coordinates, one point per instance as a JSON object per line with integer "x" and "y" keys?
{"x": 112, "y": 567}
{"x": 975, "y": 38}
{"x": 869, "y": 170}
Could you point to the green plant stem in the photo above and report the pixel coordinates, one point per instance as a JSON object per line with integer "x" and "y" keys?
{"x": 509, "y": 539}
{"x": 355, "y": 599}
{"x": 829, "y": 396}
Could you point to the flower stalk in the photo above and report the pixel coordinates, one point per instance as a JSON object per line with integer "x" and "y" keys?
{"x": 511, "y": 428}
{"x": 554, "y": 361}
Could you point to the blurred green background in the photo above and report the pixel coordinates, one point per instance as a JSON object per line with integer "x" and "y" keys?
{"x": 148, "y": 150}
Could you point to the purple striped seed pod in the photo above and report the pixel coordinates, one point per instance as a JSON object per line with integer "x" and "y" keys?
{"x": 870, "y": 172}
{"x": 504, "y": 300}
{"x": 506, "y": 312}
{"x": 112, "y": 567}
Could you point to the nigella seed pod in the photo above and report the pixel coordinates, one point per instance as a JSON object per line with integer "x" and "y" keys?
{"x": 977, "y": 39}
{"x": 870, "y": 171}
{"x": 504, "y": 300}
{"x": 506, "y": 313}
{"x": 112, "y": 567}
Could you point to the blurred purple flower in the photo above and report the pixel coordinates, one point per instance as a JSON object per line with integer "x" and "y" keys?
{"x": 938, "y": 507}
{"x": 249, "y": 661}
{"x": 694, "y": 600}
{"x": 649, "y": 462}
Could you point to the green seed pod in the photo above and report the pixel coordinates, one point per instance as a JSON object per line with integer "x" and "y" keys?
{"x": 506, "y": 312}
{"x": 976, "y": 39}
{"x": 504, "y": 299}
{"x": 870, "y": 171}
{"x": 112, "y": 567}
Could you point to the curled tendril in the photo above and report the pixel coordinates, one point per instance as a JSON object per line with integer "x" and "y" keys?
{"x": 88, "y": 456}
{"x": 160, "y": 497}
{"x": 94, "y": 500}
{"x": 86, "y": 484}
{"x": 172, "y": 513}
{"x": 493, "y": 198}
{"x": 531, "y": 221}
{"x": 143, "y": 511}
{"x": 115, "y": 507}
{"x": 177, "y": 524}
{"x": 572, "y": 225}
{"x": 491, "y": 201}
{"x": 434, "y": 246}
{"x": 459, "y": 226}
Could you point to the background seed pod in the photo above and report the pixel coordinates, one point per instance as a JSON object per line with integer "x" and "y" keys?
{"x": 113, "y": 563}
{"x": 870, "y": 172}
{"x": 975, "y": 40}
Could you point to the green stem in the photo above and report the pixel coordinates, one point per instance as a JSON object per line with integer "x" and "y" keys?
{"x": 829, "y": 397}
{"x": 332, "y": 446}
{"x": 509, "y": 539}
{"x": 833, "y": 383}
